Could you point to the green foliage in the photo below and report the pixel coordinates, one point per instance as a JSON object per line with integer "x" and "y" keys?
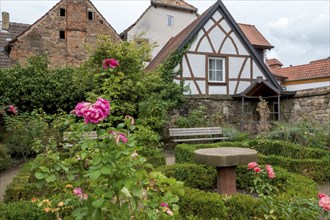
{"x": 132, "y": 90}
{"x": 195, "y": 118}
{"x": 202, "y": 205}
{"x": 233, "y": 134}
{"x": 193, "y": 175}
{"x": 242, "y": 207}
{"x": 317, "y": 169}
{"x": 24, "y": 186}
{"x": 111, "y": 174}
{"x": 4, "y": 157}
{"x": 27, "y": 134}
{"x": 271, "y": 152}
{"x": 22, "y": 210}
{"x": 305, "y": 132}
{"x": 36, "y": 86}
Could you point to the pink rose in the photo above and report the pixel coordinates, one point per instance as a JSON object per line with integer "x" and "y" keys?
{"x": 130, "y": 118}
{"x": 324, "y": 202}
{"x": 270, "y": 171}
{"x": 163, "y": 204}
{"x": 119, "y": 136}
{"x": 12, "y": 109}
{"x": 110, "y": 63}
{"x": 104, "y": 105}
{"x": 93, "y": 115}
{"x": 321, "y": 195}
{"x": 81, "y": 107}
{"x": 77, "y": 191}
{"x": 257, "y": 169}
{"x": 252, "y": 165}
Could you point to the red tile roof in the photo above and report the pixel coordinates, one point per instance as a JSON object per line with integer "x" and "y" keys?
{"x": 315, "y": 69}
{"x": 255, "y": 37}
{"x": 14, "y": 30}
{"x": 180, "y": 4}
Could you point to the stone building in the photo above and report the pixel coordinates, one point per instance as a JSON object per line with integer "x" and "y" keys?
{"x": 62, "y": 34}
{"x": 8, "y": 31}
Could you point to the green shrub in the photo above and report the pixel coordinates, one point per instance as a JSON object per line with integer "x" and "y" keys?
{"x": 242, "y": 207}
{"x": 193, "y": 175}
{"x": 36, "y": 86}
{"x": 285, "y": 149}
{"x": 24, "y": 186}
{"x": 4, "y": 157}
{"x": 317, "y": 169}
{"x": 202, "y": 204}
{"x": 195, "y": 118}
{"x": 23, "y": 210}
{"x": 306, "y": 132}
{"x": 269, "y": 152}
{"x": 233, "y": 134}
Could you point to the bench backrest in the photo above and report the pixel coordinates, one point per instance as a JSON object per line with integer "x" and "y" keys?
{"x": 176, "y": 132}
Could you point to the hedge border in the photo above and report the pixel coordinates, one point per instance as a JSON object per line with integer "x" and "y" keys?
{"x": 317, "y": 169}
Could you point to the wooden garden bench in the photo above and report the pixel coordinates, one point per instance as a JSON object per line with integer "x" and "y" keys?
{"x": 91, "y": 135}
{"x": 197, "y": 134}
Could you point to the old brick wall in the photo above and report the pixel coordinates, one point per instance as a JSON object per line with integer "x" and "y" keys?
{"x": 43, "y": 37}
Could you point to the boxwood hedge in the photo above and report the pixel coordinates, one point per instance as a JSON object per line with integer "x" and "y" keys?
{"x": 313, "y": 163}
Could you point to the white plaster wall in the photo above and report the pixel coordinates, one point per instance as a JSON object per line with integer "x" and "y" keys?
{"x": 242, "y": 86}
{"x": 197, "y": 63}
{"x": 256, "y": 71}
{"x": 240, "y": 47}
{"x": 228, "y": 47}
{"x": 235, "y": 64}
{"x": 154, "y": 25}
{"x": 217, "y": 36}
{"x": 217, "y": 90}
{"x": 306, "y": 86}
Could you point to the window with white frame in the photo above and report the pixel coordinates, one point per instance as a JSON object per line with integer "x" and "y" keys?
{"x": 170, "y": 20}
{"x": 216, "y": 69}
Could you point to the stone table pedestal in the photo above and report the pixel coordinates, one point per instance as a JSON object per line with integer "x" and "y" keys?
{"x": 226, "y": 159}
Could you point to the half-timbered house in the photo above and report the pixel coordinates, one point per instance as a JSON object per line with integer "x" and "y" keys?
{"x": 222, "y": 57}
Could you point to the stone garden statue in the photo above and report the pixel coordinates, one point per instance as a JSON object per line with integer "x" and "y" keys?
{"x": 263, "y": 109}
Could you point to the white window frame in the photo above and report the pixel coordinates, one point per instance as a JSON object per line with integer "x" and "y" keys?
{"x": 217, "y": 69}
{"x": 170, "y": 20}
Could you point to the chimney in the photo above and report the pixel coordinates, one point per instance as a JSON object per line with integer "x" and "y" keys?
{"x": 5, "y": 21}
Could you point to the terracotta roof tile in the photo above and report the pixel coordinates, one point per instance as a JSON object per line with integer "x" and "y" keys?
{"x": 14, "y": 30}
{"x": 255, "y": 37}
{"x": 315, "y": 69}
{"x": 174, "y": 3}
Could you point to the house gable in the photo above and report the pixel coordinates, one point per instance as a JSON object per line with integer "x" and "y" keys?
{"x": 215, "y": 34}
{"x": 62, "y": 34}
{"x": 153, "y": 25}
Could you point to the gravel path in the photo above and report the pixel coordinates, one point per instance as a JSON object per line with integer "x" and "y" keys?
{"x": 6, "y": 178}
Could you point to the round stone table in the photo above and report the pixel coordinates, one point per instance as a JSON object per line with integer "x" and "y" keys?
{"x": 226, "y": 159}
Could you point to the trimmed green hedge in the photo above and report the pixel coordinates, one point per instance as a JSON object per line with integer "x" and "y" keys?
{"x": 193, "y": 175}
{"x": 23, "y": 210}
{"x": 204, "y": 177}
{"x": 23, "y": 187}
{"x": 201, "y": 204}
{"x": 4, "y": 157}
{"x": 317, "y": 169}
{"x": 198, "y": 204}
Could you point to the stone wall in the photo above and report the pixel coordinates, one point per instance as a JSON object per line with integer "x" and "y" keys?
{"x": 43, "y": 37}
{"x": 313, "y": 104}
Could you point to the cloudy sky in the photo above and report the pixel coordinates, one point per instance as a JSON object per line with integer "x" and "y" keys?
{"x": 299, "y": 30}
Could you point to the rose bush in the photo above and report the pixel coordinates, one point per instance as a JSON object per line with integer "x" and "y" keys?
{"x": 297, "y": 208}
{"x": 108, "y": 179}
